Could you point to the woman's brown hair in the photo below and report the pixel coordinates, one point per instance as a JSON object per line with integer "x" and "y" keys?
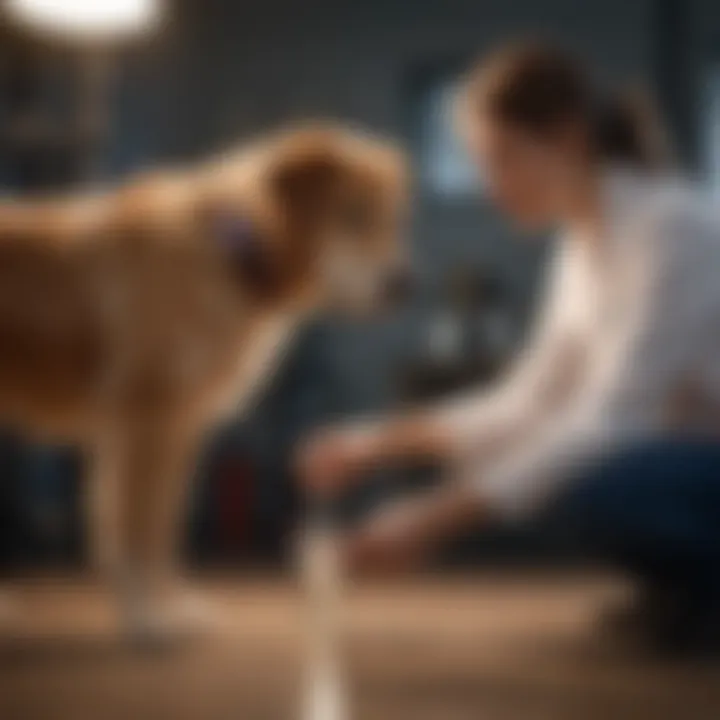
{"x": 539, "y": 88}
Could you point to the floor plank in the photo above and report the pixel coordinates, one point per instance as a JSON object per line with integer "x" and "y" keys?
{"x": 489, "y": 648}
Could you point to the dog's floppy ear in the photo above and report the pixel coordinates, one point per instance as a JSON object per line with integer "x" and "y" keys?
{"x": 270, "y": 245}
{"x": 303, "y": 178}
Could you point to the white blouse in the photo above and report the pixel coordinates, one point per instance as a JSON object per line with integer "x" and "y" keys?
{"x": 628, "y": 345}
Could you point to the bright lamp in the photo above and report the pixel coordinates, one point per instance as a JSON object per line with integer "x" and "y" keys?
{"x": 88, "y": 19}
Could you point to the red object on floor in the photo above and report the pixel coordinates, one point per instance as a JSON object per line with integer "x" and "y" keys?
{"x": 233, "y": 493}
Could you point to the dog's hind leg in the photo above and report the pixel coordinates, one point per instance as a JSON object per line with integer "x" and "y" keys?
{"x": 102, "y": 495}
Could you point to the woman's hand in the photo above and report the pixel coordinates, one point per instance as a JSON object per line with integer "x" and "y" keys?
{"x": 396, "y": 539}
{"x": 330, "y": 459}
{"x": 407, "y": 533}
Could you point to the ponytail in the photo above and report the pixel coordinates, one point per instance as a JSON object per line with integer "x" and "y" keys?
{"x": 626, "y": 129}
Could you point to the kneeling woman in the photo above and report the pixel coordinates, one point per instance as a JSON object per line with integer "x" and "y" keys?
{"x": 608, "y": 416}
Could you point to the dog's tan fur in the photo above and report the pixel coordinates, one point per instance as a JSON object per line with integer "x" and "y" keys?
{"x": 126, "y": 328}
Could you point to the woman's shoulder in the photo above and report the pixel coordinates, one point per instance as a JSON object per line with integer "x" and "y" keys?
{"x": 674, "y": 200}
{"x": 672, "y": 208}
{"x": 677, "y": 225}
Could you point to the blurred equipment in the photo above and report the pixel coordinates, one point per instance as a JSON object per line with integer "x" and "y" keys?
{"x": 470, "y": 337}
{"x": 94, "y": 29}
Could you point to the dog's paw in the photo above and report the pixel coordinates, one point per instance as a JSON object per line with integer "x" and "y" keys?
{"x": 170, "y": 620}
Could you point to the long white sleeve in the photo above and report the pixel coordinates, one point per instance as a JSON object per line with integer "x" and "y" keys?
{"x": 653, "y": 340}
{"x": 537, "y": 380}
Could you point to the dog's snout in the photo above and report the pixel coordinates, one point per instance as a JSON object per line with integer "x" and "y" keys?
{"x": 399, "y": 285}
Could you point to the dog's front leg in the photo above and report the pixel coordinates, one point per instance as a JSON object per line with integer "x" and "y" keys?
{"x": 154, "y": 463}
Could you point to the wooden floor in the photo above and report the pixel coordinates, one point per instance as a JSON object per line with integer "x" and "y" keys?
{"x": 487, "y": 649}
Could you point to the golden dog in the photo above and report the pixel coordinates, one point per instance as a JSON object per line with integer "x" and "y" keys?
{"x": 132, "y": 321}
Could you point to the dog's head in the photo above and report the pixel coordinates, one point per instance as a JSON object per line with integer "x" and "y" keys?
{"x": 322, "y": 215}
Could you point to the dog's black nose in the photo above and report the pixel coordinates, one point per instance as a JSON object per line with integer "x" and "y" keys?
{"x": 399, "y": 286}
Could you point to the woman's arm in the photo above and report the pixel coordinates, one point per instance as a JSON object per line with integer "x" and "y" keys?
{"x": 336, "y": 456}
{"x": 484, "y": 423}
{"x": 670, "y": 306}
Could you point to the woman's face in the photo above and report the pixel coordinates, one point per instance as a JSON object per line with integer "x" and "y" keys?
{"x": 528, "y": 177}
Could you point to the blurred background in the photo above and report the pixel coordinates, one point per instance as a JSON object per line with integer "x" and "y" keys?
{"x": 94, "y": 91}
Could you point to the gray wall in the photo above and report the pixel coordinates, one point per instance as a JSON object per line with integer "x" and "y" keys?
{"x": 698, "y": 53}
{"x": 230, "y": 68}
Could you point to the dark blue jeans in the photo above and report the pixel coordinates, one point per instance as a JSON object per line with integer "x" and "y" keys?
{"x": 653, "y": 510}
